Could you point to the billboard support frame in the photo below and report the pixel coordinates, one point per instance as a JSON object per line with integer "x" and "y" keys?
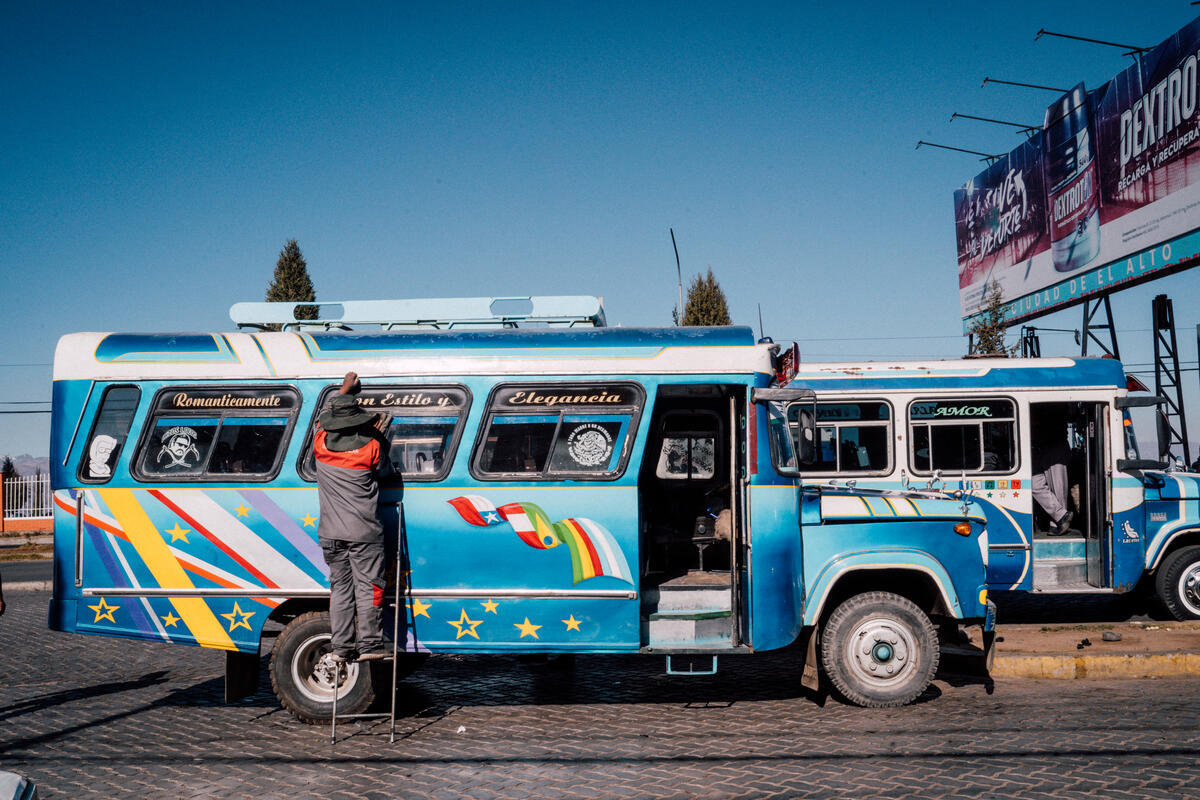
{"x": 1090, "y": 307}
{"x": 1167, "y": 383}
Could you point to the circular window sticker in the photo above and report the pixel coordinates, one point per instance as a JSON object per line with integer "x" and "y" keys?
{"x": 590, "y": 445}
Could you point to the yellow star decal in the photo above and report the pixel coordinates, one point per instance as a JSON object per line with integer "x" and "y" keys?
{"x": 490, "y": 606}
{"x": 309, "y": 520}
{"x": 238, "y": 618}
{"x": 527, "y": 628}
{"x": 465, "y": 625}
{"x": 242, "y": 511}
{"x": 104, "y": 611}
{"x": 170, "y": 619}
{"x": 572, "y": 623}
{"x": 178, "y": 533}
{"x": 419, "y": 609}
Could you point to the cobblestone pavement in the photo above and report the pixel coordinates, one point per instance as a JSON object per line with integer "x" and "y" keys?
{"x": 89, "y": 717}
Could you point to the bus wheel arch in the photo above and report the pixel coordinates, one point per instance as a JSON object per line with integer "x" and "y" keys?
{"x": 917, "y": 586}
{"x": 879, "y": 649}
{"x": 1178, "y": 582}
{"x": 304, "y": 685}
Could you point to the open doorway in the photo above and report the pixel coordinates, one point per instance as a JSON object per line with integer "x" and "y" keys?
{"x": 1069, "y": 488}
{"x": 690, "y": 530}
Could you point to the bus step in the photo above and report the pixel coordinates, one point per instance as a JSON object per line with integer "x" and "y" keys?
{"x": 1051, "y": 572}
{"x": 679, "y": 628}
{"x": 692, "y": 671}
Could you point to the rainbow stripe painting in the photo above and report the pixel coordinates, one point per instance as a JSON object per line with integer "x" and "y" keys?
{"x": 594, "y": 551}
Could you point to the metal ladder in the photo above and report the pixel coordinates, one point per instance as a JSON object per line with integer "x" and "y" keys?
{"x": 340, "y": 671}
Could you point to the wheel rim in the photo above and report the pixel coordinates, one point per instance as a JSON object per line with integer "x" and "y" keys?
{"x": 314, "y": 679}
{"x": 881, "y": 651}
{"x": 1188, "y": 588}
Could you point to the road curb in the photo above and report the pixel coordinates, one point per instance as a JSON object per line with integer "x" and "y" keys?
{"x": 1070, "y": 667}
{"x": 28, "y": 586}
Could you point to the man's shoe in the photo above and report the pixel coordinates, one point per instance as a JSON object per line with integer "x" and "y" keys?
{"x": 374, "y": 655}
{"x": 1063, "y": 526}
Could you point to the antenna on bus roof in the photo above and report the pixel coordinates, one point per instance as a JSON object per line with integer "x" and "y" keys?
{"x": 761, "y": 335}
{"x": 455, "y": 313}
{"x": 679, "y": 275}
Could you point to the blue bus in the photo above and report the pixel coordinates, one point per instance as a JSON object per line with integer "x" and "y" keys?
{"x": 981, "y": 426}
{"x": 588, "y": 490}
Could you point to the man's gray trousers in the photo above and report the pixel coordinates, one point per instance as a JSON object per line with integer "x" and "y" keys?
{"x": 356, "y": 584}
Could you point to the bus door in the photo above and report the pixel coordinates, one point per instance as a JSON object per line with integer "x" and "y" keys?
{"x": 690, "y": 489}
{"x": 1090, "y": 467}
{"x": 1071, "y": 437}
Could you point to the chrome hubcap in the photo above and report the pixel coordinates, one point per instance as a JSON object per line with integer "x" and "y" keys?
{"x": 1189, "y": 588}
{"x": 881, "y": 650}
{"x": 315, "y": 675}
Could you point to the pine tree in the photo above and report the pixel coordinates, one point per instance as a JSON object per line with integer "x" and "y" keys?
{"x": 705, "y": 302}
{"x": 989, "y": 327}
{"x": 8, "y": 469}
{"x": 291, "y": 283}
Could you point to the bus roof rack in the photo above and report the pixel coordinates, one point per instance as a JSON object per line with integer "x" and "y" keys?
{"x": 453, "y": 313}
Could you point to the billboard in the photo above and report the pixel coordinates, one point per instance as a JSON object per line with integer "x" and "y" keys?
{"x": 1105, "y": 195}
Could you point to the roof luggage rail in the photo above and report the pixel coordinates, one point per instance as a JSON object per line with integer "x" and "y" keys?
{"x": 455, "y": 313}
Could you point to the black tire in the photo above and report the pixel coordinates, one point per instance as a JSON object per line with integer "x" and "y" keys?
{"x": 1178, "y": 583}
{"x": 303, "y": 687}
{"x": 879, "y": 650}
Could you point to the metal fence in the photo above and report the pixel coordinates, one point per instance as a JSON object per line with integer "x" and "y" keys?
{"x": 27, "y": 497}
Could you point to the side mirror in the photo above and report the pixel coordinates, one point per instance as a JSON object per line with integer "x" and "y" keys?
{"x": 1164, "y": 435}
{"x": 806, "y": 434}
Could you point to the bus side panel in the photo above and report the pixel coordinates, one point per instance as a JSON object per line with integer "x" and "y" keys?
{"x": 1130, "y": 532}
{"x": 516, "y": 543}
{"x": 1010, "y": 531}
{"x": 195, "y": 540}
{"x": 926, "y": 546}
{"x": 68, "y": 401}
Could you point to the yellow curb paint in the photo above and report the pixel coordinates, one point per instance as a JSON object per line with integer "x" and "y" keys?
{"x": 1157, "y": 665}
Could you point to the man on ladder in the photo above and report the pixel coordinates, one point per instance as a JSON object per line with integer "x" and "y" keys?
{"x": 351, "y": 455}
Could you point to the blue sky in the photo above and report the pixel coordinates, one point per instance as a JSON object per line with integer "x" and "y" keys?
{"x": 155, "y": 157}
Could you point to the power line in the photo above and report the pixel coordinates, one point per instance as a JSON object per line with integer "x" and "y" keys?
{"x": 23, "y": 402}
{"x": 38, "y": 411}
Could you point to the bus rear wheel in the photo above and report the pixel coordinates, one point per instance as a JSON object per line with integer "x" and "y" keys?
{"x": 305, "y": 685}
{"x": 1178, "y": 583}
{"x": 879, "y": 650}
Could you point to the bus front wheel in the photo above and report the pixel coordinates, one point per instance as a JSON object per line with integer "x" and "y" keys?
{"x": 305, "y": 684}
{"x": 1178, "y": 583}
{"x": 879, "y": 650}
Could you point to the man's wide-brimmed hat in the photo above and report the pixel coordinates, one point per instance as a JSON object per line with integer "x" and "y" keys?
{"x": 344, "y": 413}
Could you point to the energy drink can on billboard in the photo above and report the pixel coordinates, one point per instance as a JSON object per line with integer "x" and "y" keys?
{"x": 1072, "y": 190}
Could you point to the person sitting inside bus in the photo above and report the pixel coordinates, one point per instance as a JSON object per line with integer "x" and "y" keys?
{"x": 1051, "y": 453}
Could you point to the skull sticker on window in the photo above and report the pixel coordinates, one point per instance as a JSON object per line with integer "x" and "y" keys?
{"x": 178, "y": 445}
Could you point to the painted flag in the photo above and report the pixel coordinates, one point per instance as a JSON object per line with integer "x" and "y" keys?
{"x": 594, "y": 551}
{"x": 477, "y": 510}
{"x": 531, "y": 524}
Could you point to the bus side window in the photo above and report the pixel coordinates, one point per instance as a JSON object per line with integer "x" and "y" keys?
{"x": 555, "y": 431}
{"x": 422, "y": 434}
{"x": 207, "y": 433}
{"x": 689, "y": 446}
{"x": 109, "y": 432}
{"x": 852, "y": 437}
{"x": 963, "y": 435}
